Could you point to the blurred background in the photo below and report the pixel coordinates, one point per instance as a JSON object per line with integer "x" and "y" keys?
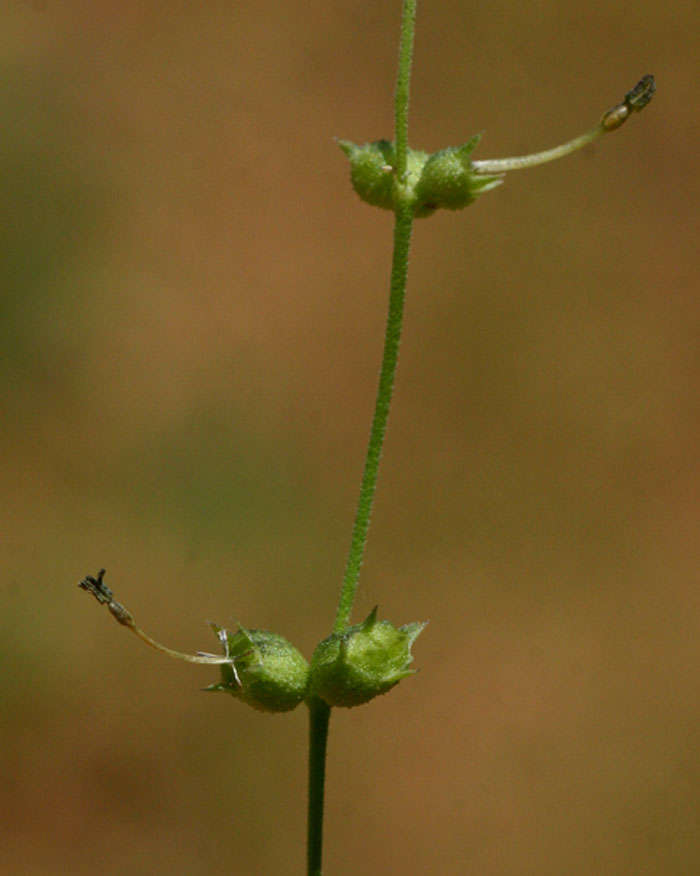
{"x": 193, "y": 303}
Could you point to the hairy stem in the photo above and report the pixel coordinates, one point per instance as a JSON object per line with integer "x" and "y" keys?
{"x": 403, "y": 82}
{"x": 402, "y": 241}
{"x": 319, "y": 711}
{"x": 397, "y": 293}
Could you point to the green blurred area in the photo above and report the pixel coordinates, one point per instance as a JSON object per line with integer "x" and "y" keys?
{"x": 191, "y": 316}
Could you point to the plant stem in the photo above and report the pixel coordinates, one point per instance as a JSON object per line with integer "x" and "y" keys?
{"x": 402, "y": 241}
{"x": 399, "y": 270}
{"x": 403, "y": 82}
{"x": 319, "y": 711}
{"x": 319, "y": 715}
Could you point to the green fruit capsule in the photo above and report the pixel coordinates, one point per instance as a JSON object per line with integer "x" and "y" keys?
{"x": 371, "y": 167}
{"x": 445, "y": 179}
{"x": 372, "y": 172}
{"x": 448, "y": 180}
{"x": 353, "y": 667}
{"x": 266, "y": 671}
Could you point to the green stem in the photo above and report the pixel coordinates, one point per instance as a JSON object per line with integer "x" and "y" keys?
{"x": 319, "y": 711}
{"x": 319, "y": 714}
{"x": 399, "y": 270}
{"x": 403, "y": 82}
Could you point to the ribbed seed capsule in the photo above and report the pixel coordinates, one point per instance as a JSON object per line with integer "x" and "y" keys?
{"x": 371, "y": 174}
{"x": 353, "y": 667}
{"x": 265, "y": 670}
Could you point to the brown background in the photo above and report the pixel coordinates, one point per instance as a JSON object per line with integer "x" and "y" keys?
{"x": 193, "y": 304}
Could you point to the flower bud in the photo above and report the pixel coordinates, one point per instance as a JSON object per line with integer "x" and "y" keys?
{"x": 448, "y": 180}
{"x": 266, "y": 671}
{"x": 353, "y": 667}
